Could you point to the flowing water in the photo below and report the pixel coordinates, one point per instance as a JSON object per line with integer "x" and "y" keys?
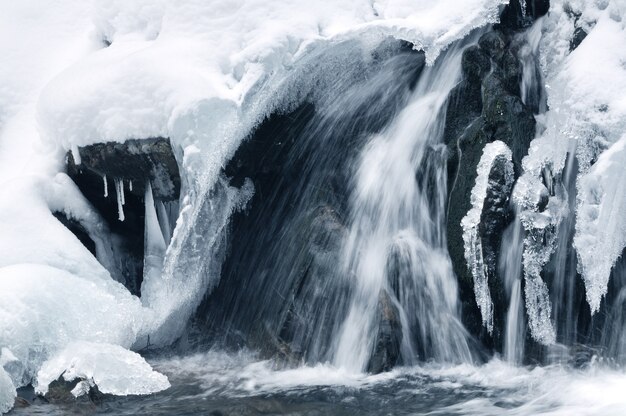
{"x": 215, "y": 383}
{"x": 333, "y": 239}
{"x": 397, "y": 216}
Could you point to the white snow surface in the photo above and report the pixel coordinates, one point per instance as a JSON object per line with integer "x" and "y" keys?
{"x": 202, "y": 73}
{"x": 113, "y": 369}
{"x": 471, "y": 238}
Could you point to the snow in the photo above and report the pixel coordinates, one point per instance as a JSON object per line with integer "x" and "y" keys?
{"x": 601, "y": 226}
{"x": 113, "y": 369}
{"x": 587, "y": 116}
{"x": 471, "y": 238}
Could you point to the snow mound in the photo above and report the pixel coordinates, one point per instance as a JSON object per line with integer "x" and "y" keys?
{"x": 471, "y": 237}
{"x": 113, "y": 369}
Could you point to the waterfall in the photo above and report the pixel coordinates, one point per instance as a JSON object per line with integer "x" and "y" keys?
{"x": 511, "y": 269}
{"x": 397, "y": 210}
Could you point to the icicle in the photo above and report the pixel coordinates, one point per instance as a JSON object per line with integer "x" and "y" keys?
{"x": 123, "y": 196}
{"x": 119, "y": 189}
{"x": 106, "y": 186}
{"x": 75, "y": 154}
{"x": 154, "y": 244}
{"x": 164, "y": 221}
{"x": 130, "y": 185}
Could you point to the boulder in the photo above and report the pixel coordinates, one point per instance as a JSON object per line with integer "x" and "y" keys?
{"x": 388, "y": 340}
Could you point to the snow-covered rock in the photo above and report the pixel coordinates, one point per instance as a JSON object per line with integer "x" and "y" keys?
{"x": 493, "y": 153}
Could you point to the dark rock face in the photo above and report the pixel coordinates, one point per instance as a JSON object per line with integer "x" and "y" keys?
{"x": 388, "y": 341}
{"x": 486, "y": 106}
{"x": 136, "y": 161}
{"x": 513, "y": 18}
{"x": 60, "y": 393}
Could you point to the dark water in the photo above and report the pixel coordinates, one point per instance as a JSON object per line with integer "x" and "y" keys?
{"x": 220, "y": 384}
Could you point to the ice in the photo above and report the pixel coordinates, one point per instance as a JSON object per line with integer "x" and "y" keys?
{"x": 154, "y": 243}
{"x": 56, "y": 307}
{"x": 106, "y": 186}
{"x": 7, "y": 392}
{"x": 113, "y": 369}
{"x": 601, "y": 222}
{"x": 7, "y": 388}
{"x": 119, "y": 191}
{"x": 492, "y": 152}
{"x": 587, "y": 116}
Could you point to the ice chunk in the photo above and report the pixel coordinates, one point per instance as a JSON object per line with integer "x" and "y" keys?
{"x": 7, "y": 392}
{"x": 113, "y": 369}
{"x": 496, "y": 150}
{"x": 7, "y": 388}
{"x": 43, "y": 308}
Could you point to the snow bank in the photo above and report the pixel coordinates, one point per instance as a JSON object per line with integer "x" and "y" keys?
{"x": 471, "y": 238}
{"x": 113, "y": 369}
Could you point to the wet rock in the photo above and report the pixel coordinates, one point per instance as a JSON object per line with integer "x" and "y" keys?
{"x": 60, "y": 392}
{"x": 493, "y": 43}
{"x": 133, "y": 160}
{"x": 514, "y": 18}
{"x": 485, "y": 106}
{"x": 386, "y": 352}
{"x": 577, "y": 38}
{"x": 475, "y": 64}
{"x": 507, "y": 118}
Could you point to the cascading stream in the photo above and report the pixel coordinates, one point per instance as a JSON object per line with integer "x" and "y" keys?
{"x": 395, "y": 246}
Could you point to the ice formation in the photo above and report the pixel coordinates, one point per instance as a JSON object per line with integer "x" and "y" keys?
{"x": 601, "y": 226}
{"x": 113, "y": 369}
{"x": 7, "y": 389}
{"x": 492, "y": 152}
{"x": 587, "y": 115}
